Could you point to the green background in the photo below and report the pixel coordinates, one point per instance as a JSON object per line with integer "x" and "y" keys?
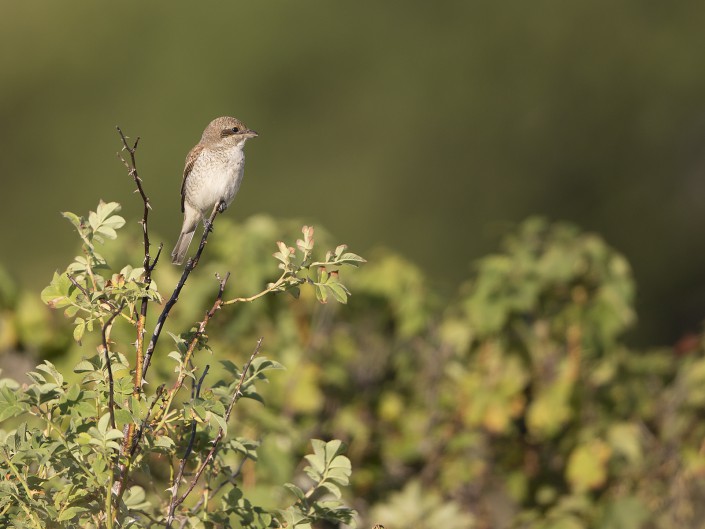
{"x": 428, "y": 127}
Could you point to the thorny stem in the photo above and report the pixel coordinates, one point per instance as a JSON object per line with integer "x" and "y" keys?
{"x": 147, "y": 263}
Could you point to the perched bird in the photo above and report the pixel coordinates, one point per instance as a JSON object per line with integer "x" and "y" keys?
{"x": 212, "y": 175}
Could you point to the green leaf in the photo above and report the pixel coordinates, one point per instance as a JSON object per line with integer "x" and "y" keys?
{"x": 221, "y": 422}
{"x": 84, "y": 366}
{"x": 112, "y": 434}
{"x": 262, "y": 363}
{"x": 103, "y": 424}
{"x": 56, "y": 295}
{"x": 123, "y": 416}
{"x": 51, "y": 370}
{"x": 79, "y": 330}
{"x": 72, "y": 218}
{"x": 333, "y": 489}
{"x": 340, "y": 293}
{"x": 296, "y": 491}
{"x": 70, "y": 512}
{"x": 164, "y": 441}
{"x": 321, "y": 293}
{"x": 175, "y": 355}
{"x": 352, "y": 258}
{"x": 106, "y": 209}
{"x": 107, "y": 232}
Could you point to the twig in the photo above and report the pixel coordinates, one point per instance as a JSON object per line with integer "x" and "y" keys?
{"x": 190, "y": 265}
{"x": 147, "y": 263}
{"x": 132, "y": 171}
{"x": 152, "y": 519}
{"x": 175, "y": 502}
{"x": 191, "y": 348}
{"x": 106, "y": 352}
{"x": 78, "y": 285}
{"x": 187, "y": 453}
{"x": 111, "y": 305}
{"x": 148, "y": 266}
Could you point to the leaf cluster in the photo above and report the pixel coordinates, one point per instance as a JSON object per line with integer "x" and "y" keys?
{"x": 97, "y": 448}
{"x": 88, "y": 291}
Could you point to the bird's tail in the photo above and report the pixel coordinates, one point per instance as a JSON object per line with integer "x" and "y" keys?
{"x": 179, "y": 253}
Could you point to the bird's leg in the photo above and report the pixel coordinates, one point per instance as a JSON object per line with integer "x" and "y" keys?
{"x": 218, "y": 208}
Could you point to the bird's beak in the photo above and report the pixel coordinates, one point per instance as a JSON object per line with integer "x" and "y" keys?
{"x": 251, "y": 133}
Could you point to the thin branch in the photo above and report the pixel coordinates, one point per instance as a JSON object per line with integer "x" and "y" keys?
{"x": 78, "y": 285}
{"x": 187, "y": 453}
{"x": 190, "y": 265}
{"x": 147, "y": 263}
{"x": 152, "y": 520}
{"x": 238, "y": 390}
{"x": 106, "y": 352}
{"x": 191, "y": 348}
{"x": 106, "y": 302}
{"x": 273, "y": 287}
{"x": 132, "y": 171}
{"x": 214, "y": 444}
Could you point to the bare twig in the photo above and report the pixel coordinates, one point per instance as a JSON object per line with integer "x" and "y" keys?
{"x": 190, "y": 265}
{"x": 132, "y": 171}
{"x": 106, "y": 352}
{"x": 175, "y": 502}
{"x": 147, "y": 263}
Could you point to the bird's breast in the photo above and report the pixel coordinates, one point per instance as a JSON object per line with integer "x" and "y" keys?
{"x": 215, "y": 177}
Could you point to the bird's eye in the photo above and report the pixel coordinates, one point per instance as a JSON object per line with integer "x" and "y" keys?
{"x": 235, "y": 130}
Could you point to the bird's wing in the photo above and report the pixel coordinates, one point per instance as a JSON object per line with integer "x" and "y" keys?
{"x": 190, "y": 161}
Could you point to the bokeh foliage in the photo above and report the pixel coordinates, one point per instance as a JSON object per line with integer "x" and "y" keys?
{"x": 514, "y": 404}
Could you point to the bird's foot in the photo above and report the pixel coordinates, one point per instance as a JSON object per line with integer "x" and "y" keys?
{"x": 222, "y": 206}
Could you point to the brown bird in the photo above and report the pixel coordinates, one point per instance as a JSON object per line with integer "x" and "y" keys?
{"x": 212, "y": 175}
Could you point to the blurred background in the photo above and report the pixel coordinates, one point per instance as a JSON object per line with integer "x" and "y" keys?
{"x": 427, "y": 127}
{"x": 431, "y": 129}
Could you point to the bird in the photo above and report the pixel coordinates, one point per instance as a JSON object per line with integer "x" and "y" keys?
{"x": 212, "y": 176}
